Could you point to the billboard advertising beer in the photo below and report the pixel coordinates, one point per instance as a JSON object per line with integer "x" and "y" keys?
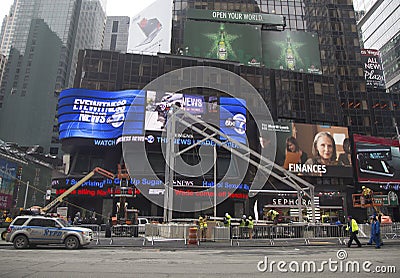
{"x": 223, "y": 41}
{"x": 377, "y": 159}
{"x": 311, "y": 150}
{"x": 289, "y": 50}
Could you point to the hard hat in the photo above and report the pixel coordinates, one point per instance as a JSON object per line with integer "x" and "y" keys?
{"x": 250, "y": 218}
{"x": 226, "y": 214}
{"x": 244, "y": 216}
{"x": 200, "y": 218}
{"x": 363, "y": 186}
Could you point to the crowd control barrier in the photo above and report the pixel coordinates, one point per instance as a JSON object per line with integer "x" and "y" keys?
{"x": 96, "y": 231}
{"x": 216, "y": 233}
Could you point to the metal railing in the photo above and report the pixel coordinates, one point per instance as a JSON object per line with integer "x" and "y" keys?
{"x": 96, "y": 231}
{"x": 261, "y": 234}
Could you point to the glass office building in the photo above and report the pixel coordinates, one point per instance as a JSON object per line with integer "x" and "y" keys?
{"x": 41, "y": 40}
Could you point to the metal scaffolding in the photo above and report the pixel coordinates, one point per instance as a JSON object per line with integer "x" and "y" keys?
{"x": 176, "y": 114}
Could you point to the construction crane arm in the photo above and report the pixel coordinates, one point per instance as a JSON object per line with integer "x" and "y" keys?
{"x": 60, "y": 198}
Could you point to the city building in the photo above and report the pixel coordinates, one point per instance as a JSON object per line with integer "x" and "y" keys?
{"x": 116, "y": 33}
{"x": 304, "y": 59}
{"x": 379, "y": 26}
{"x": 41, "y": 42}
{"x": 2, "y": 67}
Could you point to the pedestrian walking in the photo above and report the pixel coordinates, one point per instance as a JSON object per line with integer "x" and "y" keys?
{"x": 352, "y": 227}
{"x": 375, "y": 232}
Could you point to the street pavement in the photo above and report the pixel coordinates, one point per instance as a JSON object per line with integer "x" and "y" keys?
{"x": 210, "y": 259}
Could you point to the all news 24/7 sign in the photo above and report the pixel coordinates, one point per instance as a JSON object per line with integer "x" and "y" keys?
{"x": 373, "y": 69}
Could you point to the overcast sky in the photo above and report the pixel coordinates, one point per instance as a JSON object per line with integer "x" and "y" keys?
{"x": 114, "y": 7}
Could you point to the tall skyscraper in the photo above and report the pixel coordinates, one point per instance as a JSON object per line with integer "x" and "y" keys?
{"x": 379, "y": 25}
{"x": 116, "y": 33}
{"x": 42, "y": 38}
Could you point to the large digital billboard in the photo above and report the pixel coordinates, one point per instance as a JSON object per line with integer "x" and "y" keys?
{"x": 223, "y": 41}
{"x": 290, "y": 50}
{"x": 98, "y": 114}
{"x": 377, "y": 159}
{"x": 373, "y": 69}
{"x": 102, "y": 116}
{"x": 311, "y": 150}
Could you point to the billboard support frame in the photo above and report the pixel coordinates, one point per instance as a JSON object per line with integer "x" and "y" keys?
{"x": 301, "y": 186}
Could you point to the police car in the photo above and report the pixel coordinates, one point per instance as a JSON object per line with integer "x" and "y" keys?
{"x": 32, "y": 230}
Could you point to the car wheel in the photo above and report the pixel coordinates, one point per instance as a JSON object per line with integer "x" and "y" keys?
{"x": 3, "y": 235}
{"x": 20, "y": 242}
{"x": 72, "y": 242}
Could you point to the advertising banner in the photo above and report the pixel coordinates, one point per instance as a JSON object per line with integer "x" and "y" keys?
{"x": 150, "y": 30}
{"x": 8, "y": 173}
{"x": 223, "y": 41}
{"x": 378, "y": 159}
{"x": 237, "y": 17}
{"x": 5, "y": 201}
{"x": 311, "y": 150}
{"x": 98, "y": 114}
{"x": 373, "y": 69}
{"x": 290, "y": 50}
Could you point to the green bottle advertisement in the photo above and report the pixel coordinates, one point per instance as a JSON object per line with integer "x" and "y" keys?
{"x": 290, "y": 61}
{"x": 222, "y": 53}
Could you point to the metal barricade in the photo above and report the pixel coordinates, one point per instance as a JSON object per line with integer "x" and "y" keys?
{"x": 96, "y": 231}
{"x": 166, "y": 232}
{"x": 125, "y": 231}
{"x": 389, "y": 231}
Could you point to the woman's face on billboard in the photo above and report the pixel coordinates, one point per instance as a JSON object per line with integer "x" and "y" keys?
{"x": 325, "y": 147}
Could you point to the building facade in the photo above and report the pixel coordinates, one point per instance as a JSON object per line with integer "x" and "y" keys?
{"x": 116, "y": 33}
{"x": 334, "y": 94}
{"x": 41, "y": 41}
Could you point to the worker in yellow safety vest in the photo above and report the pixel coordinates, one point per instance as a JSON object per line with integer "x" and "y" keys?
{"x": 273, "y": 215}
{"x": 352, "y": 227}
{"x": 203, "y": 228}
{"x": 367, "y": 194}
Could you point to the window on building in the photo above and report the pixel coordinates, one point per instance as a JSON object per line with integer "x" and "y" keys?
{"x": 115, "y": 26}
{"x": 113, "y": 43}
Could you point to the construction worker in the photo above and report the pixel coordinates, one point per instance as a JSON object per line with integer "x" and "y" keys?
{"x": 367, "y": 194}
{"x": 8, "y": 219}
{"x": 227, "y": 220}
{"x": 326, "y": 218}
{"x": 227, "y": 223}
{"x": 243, "y": 226}
{"x": 273, "y": 215}
{"x": 203, "y": 228}
{"x": 250, "y": 226}
{"x": 352, "y": 227}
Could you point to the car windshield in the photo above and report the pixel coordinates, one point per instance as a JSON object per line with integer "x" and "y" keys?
{"x": 63, "y": 222}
